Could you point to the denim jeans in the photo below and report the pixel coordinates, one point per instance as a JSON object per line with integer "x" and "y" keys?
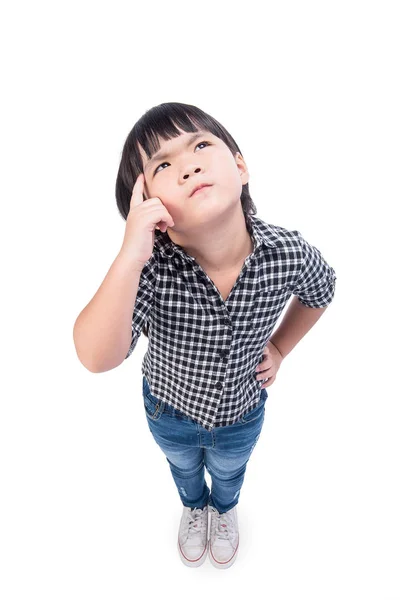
{"x": 189, "y": 448}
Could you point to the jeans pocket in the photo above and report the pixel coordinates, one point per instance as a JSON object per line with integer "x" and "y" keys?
{"x": 255, "y": 413}
{"x": 152, "y": 405}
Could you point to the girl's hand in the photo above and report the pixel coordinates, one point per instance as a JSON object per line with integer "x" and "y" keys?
{"x": 143, "y": 218}
{"x": 268, "y": 368}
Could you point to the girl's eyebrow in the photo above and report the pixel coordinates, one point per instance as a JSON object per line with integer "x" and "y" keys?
{"x": 161, "y": 155}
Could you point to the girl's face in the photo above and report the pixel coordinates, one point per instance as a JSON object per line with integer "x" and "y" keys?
{"x": 185, "y": 162}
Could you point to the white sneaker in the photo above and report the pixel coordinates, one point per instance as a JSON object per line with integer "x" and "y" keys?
{"x": 224, "y": 538}
{"x": 192, "y": 537}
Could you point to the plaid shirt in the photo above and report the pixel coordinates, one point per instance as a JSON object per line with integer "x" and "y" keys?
{"x": 202, "y": 351}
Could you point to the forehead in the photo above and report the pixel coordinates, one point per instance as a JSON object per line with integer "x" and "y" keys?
{"x": 174, "y": 145}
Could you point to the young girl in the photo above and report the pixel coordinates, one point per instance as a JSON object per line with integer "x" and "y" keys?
{"x": 206, "y": 281}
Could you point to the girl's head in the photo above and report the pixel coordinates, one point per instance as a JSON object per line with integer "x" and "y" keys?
{"x": 214, "y": 158}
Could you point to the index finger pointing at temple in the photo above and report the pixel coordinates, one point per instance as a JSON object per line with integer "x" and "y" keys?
{"x": 137, "y": 192}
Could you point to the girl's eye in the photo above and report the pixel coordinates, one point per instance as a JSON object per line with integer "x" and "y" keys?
{"x": 165, "y": 163}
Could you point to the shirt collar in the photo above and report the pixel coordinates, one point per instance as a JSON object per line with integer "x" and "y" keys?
{"x": 261, "y": 233}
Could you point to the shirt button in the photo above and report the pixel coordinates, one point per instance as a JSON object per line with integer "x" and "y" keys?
{"x": 218, "y": 385}
{"x": 227, "y": 321}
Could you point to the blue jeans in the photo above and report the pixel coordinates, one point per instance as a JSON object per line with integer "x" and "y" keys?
{"x": 189, "y": 448}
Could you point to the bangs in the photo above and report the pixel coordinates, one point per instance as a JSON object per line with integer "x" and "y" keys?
{"x": 168, "y": 121}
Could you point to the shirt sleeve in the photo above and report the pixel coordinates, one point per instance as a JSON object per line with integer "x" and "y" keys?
{"x": 316, "y": 280}
{"x": 144, "y": 301}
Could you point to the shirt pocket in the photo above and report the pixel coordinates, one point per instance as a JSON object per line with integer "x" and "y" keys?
{"x": 266, "y": 311}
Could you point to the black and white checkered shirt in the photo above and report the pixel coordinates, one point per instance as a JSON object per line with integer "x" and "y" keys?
{"x": 202, "y": 351}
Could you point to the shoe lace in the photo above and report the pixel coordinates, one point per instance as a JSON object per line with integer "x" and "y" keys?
{"x": 224, "y": 525}
{"x": 196, "y": 522}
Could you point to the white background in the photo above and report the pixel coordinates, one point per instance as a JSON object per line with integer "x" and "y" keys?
{"x": 310, "y": 92}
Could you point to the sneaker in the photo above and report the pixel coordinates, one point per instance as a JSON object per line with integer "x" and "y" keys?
{"x": 224, "y": 538}
{"x": 192, "y": 538}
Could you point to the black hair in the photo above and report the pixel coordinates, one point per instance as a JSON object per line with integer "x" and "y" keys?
{"x": 163, "y": 121}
